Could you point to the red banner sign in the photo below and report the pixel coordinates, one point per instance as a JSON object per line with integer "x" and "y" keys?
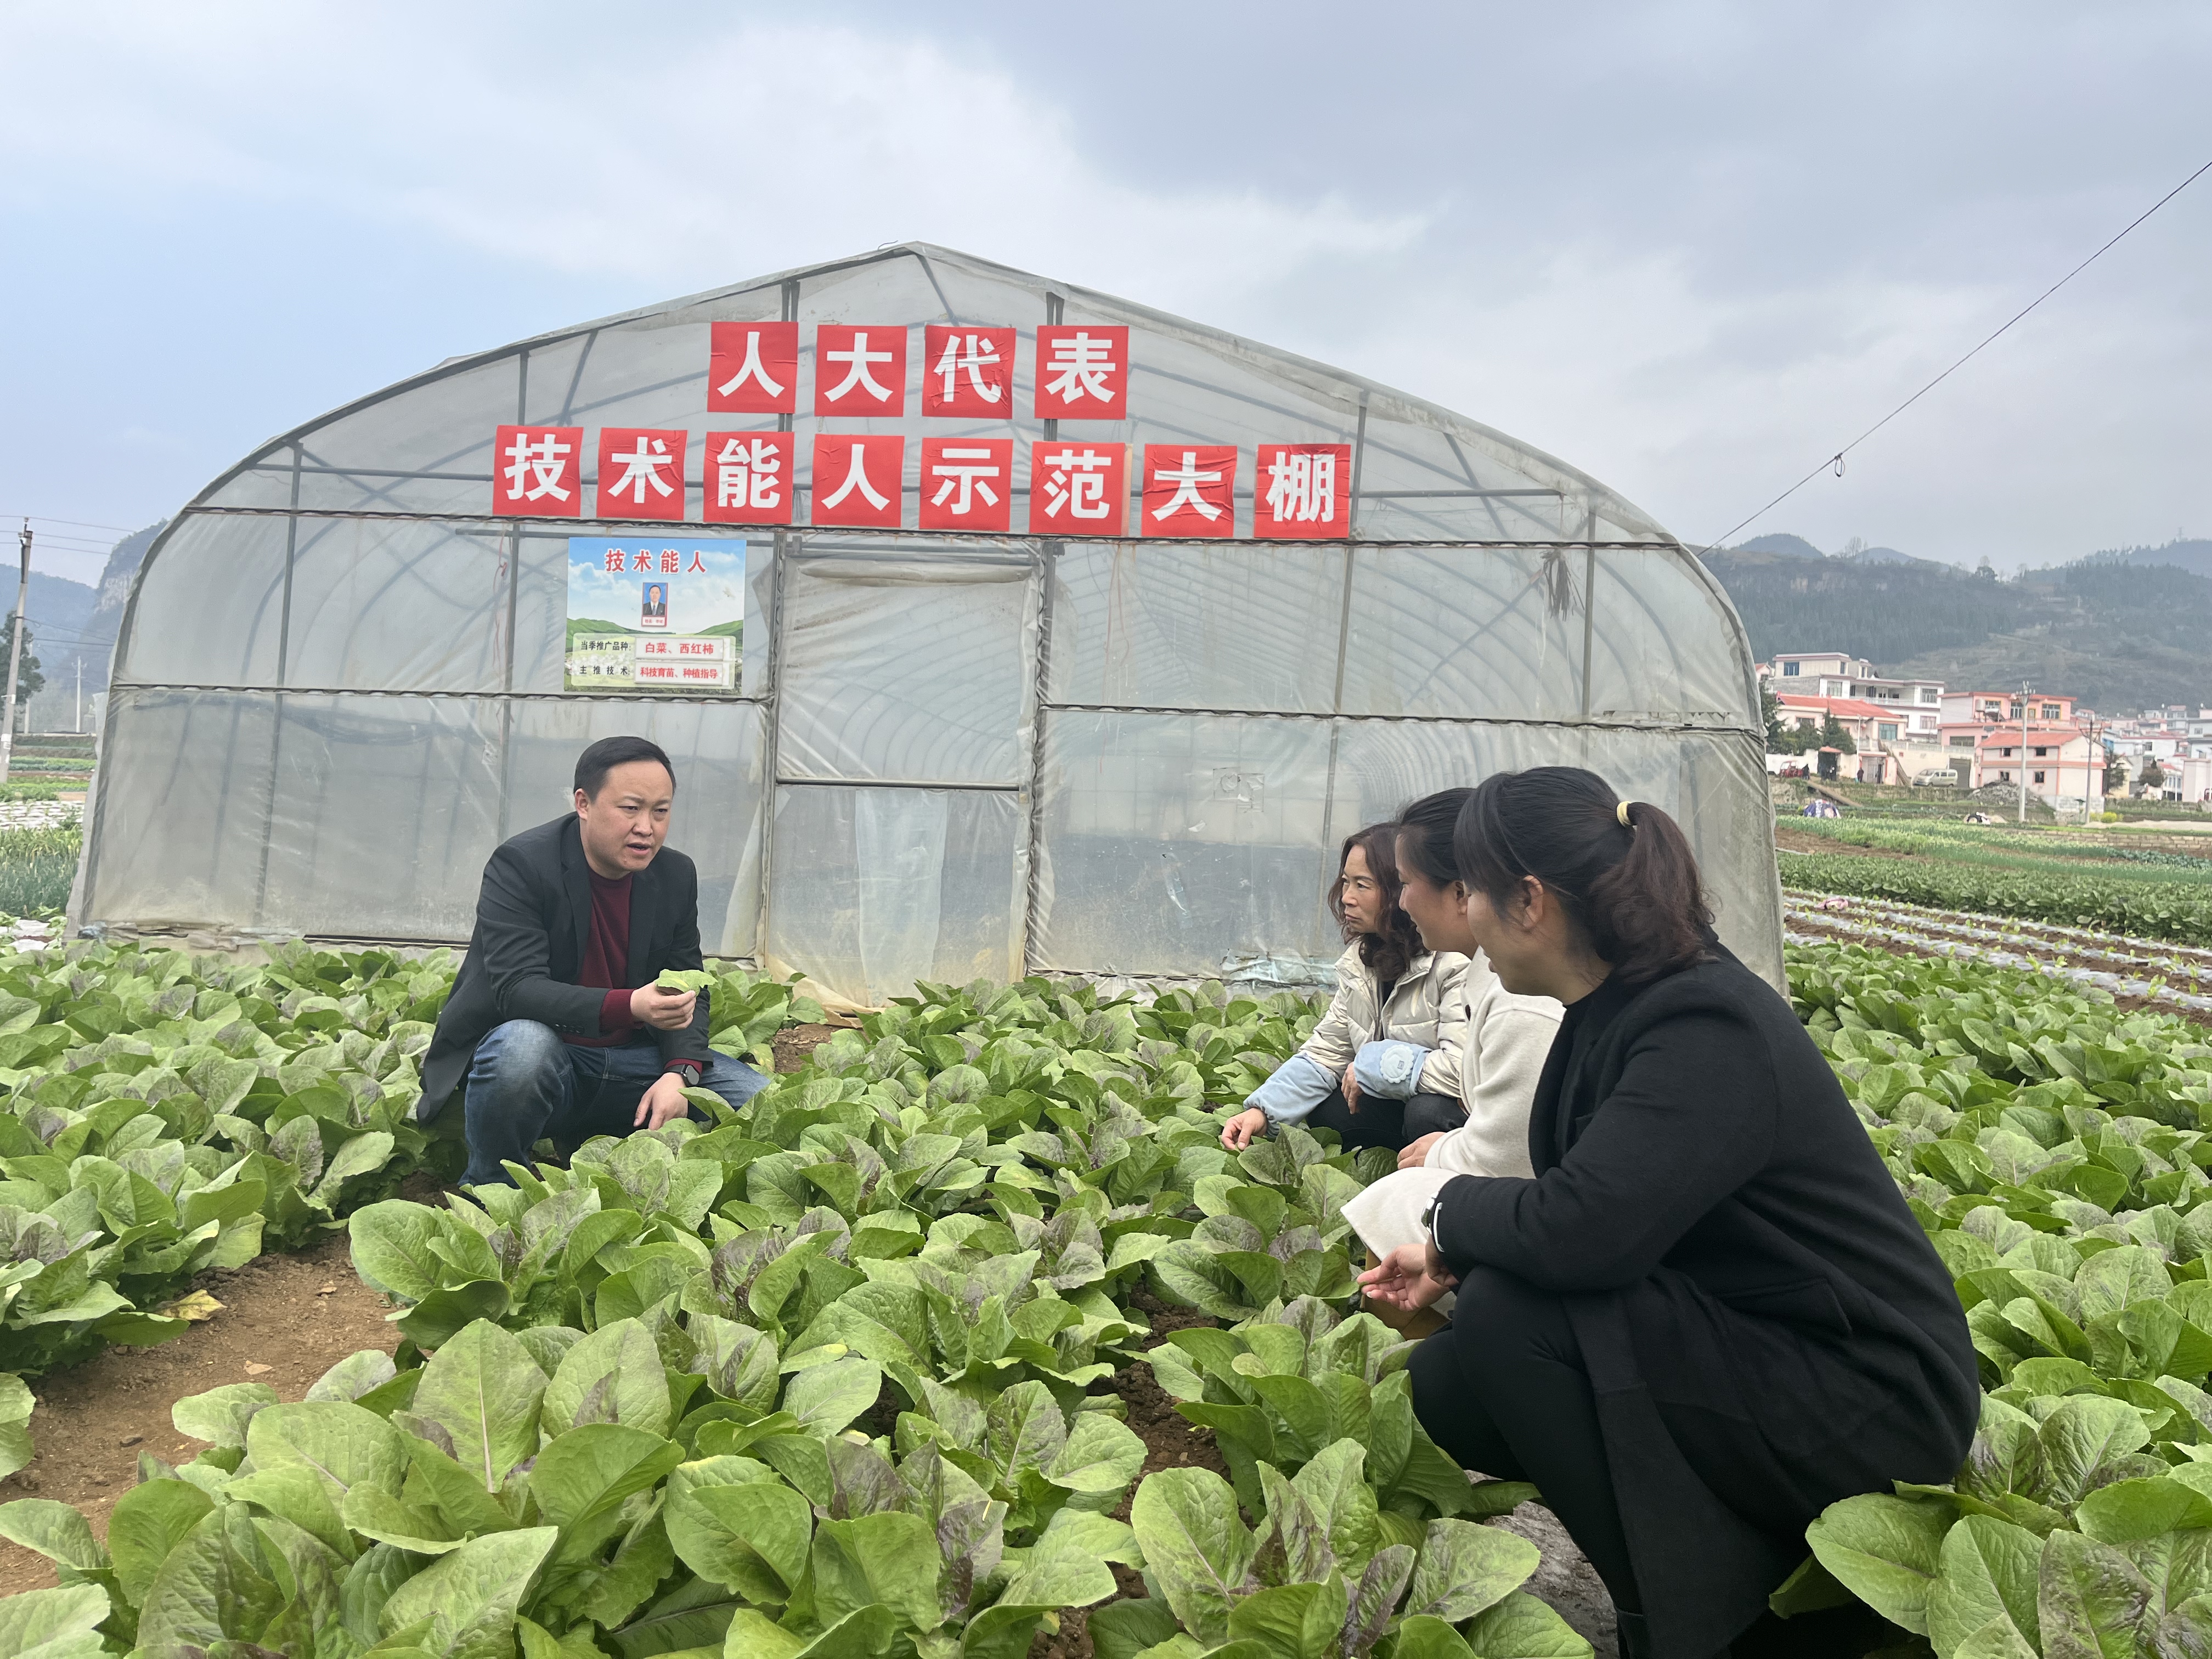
{"x": 968, "y": 371}
{"x": 539, "y": 471}
{"x": 856, "y": 480}
{"x": 1190, "y": 489}
{"x": 641, "y": 472}
{"x": 748, "y": 477}
{"x": 968, "y": 483}
{"x": 1303, "y": 490}
{"x": 752, "y": 368}
{"x": 859, "y": 369}
{"x": 1078, "y": 488}
{"x": 1082, "y": 373}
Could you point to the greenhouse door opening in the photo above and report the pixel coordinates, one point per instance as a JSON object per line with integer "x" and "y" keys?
{"x": 902, "y": 752}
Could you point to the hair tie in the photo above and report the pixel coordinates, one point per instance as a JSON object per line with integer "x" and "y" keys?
{"x": 1621, "y": 812}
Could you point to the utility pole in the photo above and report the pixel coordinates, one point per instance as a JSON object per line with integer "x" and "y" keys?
{"x": 79, "y": 724}
{"x": 15, "y": 653}
{"x": 2090, "y": 781}
{"x": 2025, "y": 694}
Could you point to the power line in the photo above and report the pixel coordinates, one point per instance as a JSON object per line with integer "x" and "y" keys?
{"x": 1835, "y": 460}
{"x": 40, "y": 518}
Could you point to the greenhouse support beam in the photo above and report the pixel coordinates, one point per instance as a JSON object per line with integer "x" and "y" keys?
{"x": 1039, "y": 692}
{"x": 947, "y": 539}
{"x": 283, "y": 669}
{"x": 771, "y": 747}
{"x": 1343, "y": 632}
{"x": 965, "y": 787}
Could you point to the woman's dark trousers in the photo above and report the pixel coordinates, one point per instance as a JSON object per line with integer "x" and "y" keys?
{"x": 1391, "y": 1123}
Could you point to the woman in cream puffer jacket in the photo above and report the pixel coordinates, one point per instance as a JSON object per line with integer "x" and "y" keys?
{"x": 1382, "y": 1067}
{"x": 1503, "y": 1042}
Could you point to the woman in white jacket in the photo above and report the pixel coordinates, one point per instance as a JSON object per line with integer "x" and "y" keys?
{"x": 1383, "y": 1066}
{"x": 1503, "y": 1041}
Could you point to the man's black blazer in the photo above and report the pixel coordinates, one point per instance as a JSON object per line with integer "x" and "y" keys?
{"x": 533, "y": 916}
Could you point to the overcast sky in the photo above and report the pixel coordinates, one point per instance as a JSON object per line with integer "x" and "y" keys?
{"x": 1689, "y": 248}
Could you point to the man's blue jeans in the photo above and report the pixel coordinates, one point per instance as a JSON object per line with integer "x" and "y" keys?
{"x": 525, "y": 1084}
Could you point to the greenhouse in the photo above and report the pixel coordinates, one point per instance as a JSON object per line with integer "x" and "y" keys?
{"x": 926, "y": 723}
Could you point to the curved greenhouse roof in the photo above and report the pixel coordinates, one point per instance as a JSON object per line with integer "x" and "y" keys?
{"x": 372, "y": 648}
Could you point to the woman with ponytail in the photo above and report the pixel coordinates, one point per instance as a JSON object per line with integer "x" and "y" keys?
{"x": 1707, "y": 1313}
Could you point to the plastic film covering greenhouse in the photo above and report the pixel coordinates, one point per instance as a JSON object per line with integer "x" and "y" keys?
{"x": 340, "y": 681}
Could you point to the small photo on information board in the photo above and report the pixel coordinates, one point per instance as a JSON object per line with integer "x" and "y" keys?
{"x": 655, "y": 615}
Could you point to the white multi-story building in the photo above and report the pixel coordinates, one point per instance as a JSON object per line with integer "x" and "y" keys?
{"x": 1916, "y": 706}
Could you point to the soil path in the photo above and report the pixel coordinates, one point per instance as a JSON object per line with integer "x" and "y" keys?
{"x": 1806, "y": 840}
{"x": 1170, "y": 1441}
{"x": 285, "y": 1320}
{"x": 794, "y": 1043}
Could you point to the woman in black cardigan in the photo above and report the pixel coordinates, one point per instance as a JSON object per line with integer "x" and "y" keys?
{"x": 1710, "y": 1314}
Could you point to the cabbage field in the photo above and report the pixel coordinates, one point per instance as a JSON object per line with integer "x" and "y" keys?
{"x": 2056, "y": 1149}
{"x": 2149, "y": 886}
{"x": 829, "y": 1375}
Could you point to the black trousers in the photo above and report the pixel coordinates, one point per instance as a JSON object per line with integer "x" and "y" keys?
{"x": 1391, "y": 1123}
{"x": 1503, "y": 1391}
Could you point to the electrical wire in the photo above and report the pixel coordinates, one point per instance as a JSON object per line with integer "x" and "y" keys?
{"x": 80, "y": 524}
{"x": 1835, "y": 460}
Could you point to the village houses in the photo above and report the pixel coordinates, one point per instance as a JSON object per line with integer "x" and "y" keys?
{"x": 1907, "y": 730}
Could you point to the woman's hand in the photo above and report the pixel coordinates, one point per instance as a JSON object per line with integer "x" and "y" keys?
{"x": 1241, "y": 1130}
{"x": 1406, "y": 1279}
{"x": 1350, "y": 1090}
{"x": 1417, "y": 1151}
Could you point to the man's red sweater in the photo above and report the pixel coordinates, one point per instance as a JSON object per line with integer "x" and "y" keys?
{"x": 606, "y": 962}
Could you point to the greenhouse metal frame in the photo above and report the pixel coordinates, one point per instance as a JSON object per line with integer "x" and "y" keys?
{"x": 339, "y": 682}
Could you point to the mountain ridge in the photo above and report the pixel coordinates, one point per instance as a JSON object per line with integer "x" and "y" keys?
{"x": 2123, "y": 629}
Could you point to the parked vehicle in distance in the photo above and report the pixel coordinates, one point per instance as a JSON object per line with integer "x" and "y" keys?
{"x": 1935, "y": 777}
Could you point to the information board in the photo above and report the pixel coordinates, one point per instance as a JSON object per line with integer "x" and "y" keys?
{"x": 655, "y": 615}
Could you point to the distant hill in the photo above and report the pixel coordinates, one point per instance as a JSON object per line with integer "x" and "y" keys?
{"x": 1797, "y": 547}
{"x": 2118, "y": 631}
{"x": 1890, "y": 556}
{"x": 2195, "y": 556}
{"x": 1789, "y": 547}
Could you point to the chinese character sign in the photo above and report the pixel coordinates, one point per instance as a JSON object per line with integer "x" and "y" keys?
{"x": 1190, "y": 489}
{"x": 857, "y": 480}
{"x": 752, "y": 368}
{"x": 748, "y": 477}
{"x": 1077, "y": 489}
{"x": 654, "y": 615}
{"x": 641, "y": 472}
{"x": 859, "y": 370}
{"x": 1082, "y": 373}
{"x": 968, "y": 371}
{"x": 1303, "y": 490}
{"x": 966, "y": 483}
{"x": 537, "y": 471}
